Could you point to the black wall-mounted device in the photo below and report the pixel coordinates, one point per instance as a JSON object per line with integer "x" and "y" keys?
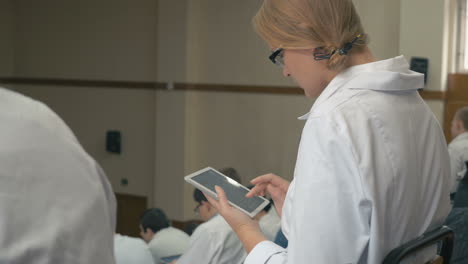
{"x": 420, "y": 65}
{"x": 113, "y": 141}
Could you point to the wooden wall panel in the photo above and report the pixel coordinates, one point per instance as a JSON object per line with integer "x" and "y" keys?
{"x": 457, "y": 87}
{"x": 129, "y": 210}
{"x": 456, "y": 97}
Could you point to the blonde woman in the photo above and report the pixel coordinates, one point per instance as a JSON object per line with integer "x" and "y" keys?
{"x": 372, "y": 170}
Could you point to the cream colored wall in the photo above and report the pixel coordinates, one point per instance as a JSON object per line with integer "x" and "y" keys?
{"x": 170, "y": 148}
{"x": 91, "y": 112}
{"x": 451, "y": 38}
{"x": 104, "y": 40}
{"x": 223, "y": 47}
{"x": 172, "y": 40}
{"x": 86, "y": 39}
{"x": 422, "y": 35}
{"x": 381, "y": 20}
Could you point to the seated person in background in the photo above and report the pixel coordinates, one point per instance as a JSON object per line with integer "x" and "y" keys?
{"x": 213, "y": 242}
{"x": 458, "y": 148}
{"x": 56, "y": 203}
{"x": 268, "y": 219}
{"x": 163, "y": 240}
{"x": 131, "y": 250}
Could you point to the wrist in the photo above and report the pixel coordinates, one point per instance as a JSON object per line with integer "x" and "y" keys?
{"x": 250, "y": 236}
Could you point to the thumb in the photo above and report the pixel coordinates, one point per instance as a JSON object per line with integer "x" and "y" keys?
{"x": 221, "y": 196}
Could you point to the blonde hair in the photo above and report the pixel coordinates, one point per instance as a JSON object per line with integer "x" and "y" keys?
{"x": 304, "y": 24}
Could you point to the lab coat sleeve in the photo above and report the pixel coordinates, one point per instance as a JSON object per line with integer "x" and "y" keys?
{"x": 267, "y": 252}
{"x": 329, "y": 214}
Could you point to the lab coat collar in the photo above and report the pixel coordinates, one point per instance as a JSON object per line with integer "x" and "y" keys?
{"x": 386, "y": 75}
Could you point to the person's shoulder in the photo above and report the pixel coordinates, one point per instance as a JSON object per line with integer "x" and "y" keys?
{"x": 202, "y": 228}
{"x": 132, "y": 248}
{"x": 459, "y": 143}
{"x": 214, "y": 231}
{"x": 127, "y": 243}
{"x": 178, "y": 232}
{"x": 18, "y": 102}
{"x": 330, "y": 112}
{"x": 33, "y": 113}
{"x": 168, "y": 233}
{"x": 213, "y": 226}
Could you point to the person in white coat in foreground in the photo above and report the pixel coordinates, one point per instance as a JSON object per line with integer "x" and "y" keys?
{"x": 56, "y": 204}
{"x": 372, "y": 170}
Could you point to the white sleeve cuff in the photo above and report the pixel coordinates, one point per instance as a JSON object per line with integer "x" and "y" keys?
{"x": 266, "y": 252}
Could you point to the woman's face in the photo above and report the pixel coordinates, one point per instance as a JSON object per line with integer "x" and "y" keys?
{"x": 311, "y": 75}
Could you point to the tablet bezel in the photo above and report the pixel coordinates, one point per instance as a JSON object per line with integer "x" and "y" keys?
{"x": 206, "y": 190}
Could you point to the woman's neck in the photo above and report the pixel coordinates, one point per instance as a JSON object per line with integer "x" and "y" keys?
{"x": 363, "y": 57}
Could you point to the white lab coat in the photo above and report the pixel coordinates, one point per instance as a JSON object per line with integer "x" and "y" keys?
{"x": 56, "y": 205}
{"x": 131, "y": 250}
{"x": 458, "y": 150}
{"x": 372, "y": 171}
{"x": 270, "y": 224}
{"x": 168, "y": 242}
{"x": 213, "y": 242}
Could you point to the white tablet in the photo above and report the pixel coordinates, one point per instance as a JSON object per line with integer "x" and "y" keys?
{"x": 206, "y": 179}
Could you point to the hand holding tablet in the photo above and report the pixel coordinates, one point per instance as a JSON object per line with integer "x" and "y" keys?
{"x": 206, "y": 180}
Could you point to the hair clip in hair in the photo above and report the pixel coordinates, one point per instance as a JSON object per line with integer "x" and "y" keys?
{"x": 348, "y": 46}
{"x": 321, "y": 54}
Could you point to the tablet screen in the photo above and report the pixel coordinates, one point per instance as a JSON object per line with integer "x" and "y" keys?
{"x": 234, "y": 191}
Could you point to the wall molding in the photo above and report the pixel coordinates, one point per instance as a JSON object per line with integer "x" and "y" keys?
{"x": 239, "y": 88}
{"x": 433, "y": 95}
{"x": 82, "y": 83}
{"x": 427, "y": 95}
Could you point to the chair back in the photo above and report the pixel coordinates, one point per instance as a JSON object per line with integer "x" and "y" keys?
{"x": 461, "y": 196}
{"x": 443, "y": 234}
